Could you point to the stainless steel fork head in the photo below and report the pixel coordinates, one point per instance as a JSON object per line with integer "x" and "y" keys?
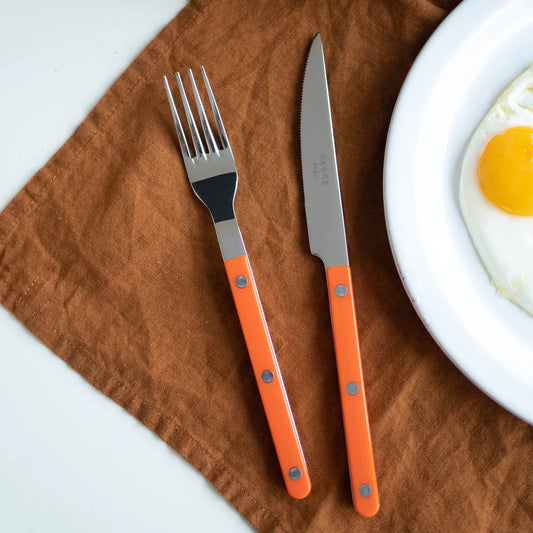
{"x": 210, "y": 166}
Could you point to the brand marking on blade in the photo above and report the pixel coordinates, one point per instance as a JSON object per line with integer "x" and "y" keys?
{"x": 320, "y": 171}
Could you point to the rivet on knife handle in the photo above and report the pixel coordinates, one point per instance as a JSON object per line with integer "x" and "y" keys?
{"x": 268, "y": 377}
{"x": 353, "y": 400}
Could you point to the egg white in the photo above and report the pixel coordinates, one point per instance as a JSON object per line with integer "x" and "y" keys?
{"x": 504, "y": 242}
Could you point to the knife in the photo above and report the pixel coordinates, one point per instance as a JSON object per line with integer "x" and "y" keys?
{"x": 327, "y": 238}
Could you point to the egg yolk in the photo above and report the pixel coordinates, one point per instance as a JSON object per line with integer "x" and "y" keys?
{"x": 505, "y": 171}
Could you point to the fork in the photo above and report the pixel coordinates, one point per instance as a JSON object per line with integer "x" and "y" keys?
{"x": 213, "y": 176}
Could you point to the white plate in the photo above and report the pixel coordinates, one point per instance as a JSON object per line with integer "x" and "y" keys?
{"x": 474, "y": 54}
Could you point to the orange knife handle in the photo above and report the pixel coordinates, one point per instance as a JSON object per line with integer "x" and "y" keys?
{"x": 268, "y": 377}
{"x": 352, "y": 391}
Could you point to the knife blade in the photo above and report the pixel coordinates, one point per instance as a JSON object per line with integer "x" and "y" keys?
{"x": 327, "y": 239}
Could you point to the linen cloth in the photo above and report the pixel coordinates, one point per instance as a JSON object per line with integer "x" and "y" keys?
{"x": 110, "y": 260}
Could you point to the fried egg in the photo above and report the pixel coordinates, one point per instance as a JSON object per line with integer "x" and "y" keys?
{"x": 496, "y": 191}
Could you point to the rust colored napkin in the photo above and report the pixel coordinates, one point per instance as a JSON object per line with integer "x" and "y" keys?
{"x": 108, "y": 258}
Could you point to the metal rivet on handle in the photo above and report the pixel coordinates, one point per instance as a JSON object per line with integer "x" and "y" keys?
{"x": 267, "y": 376}
{"x": 295, "y": 473}
{"x": 241, "y": 282}
{"x": 341, "y": 290}
{"x": 365, "y": 490}
{"x": 352, "y": 388}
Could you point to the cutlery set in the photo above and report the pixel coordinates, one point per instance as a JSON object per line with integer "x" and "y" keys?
{"x": 211, "y": 169}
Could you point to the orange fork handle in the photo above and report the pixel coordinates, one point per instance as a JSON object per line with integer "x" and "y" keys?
{"x": 268, "y": 377}
{"x": 352, "y": 391}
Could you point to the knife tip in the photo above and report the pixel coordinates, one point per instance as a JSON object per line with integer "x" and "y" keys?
{"x": 316, "y": 45}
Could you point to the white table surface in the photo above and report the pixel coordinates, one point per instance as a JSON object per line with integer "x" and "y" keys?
{"x": 71, "y": 460}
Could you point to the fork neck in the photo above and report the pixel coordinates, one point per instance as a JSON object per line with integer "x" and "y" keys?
{"x": 230, "y": 239}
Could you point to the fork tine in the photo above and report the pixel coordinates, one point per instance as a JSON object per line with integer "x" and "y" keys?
{"x": 214, "y": 107}
{"x": 196, "y": 139}
{"x": 203, "y": 117}
{"x": 179, "y": 128}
